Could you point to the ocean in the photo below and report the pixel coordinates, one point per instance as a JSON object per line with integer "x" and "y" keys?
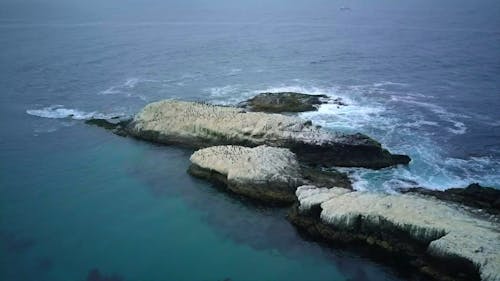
{"x": 421, "y": 77}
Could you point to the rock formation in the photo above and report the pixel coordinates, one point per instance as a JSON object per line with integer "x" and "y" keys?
{"x": 474, "y": 195}
{"x": 116, "y": 125}
{"x": 445, "y": 240}
{"x": 284, "y": 102}
{"x": 264, "y": 173}
{"x": 203, "y": 125}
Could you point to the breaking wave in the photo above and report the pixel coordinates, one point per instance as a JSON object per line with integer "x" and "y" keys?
{"x": 60, "y": 112}
{"x": 457, "y": 127}
{"x": 404, "y": 122}
{"x": 130, "y": 88}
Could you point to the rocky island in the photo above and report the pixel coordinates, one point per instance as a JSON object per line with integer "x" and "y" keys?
{"x": 284, "y": 102}
{"x": 203, "y": 125}
{"x": 282, "y": 159}
{"x": 279, "y": 102}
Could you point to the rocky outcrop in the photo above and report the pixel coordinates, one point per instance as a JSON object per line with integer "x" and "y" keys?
{"x": 442, "y": 239}
{"x": 426, "y": 229}
{"x": 284, "y": 102}
{"x": 203, "y": 125}
{"x": 264, "y": 173}
{"x": 322, "y": 177}
{"x": 310, "y": 197}
{"x": 474, "y": 195}
{"x": 116, "y": 125}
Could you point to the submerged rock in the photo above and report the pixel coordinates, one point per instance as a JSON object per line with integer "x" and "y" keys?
{"x": 284, "y": 102}
{"x": 96, "y": 275}
{"x": 474, "y": 195}
{"x": 442, "y": 239}
{"x": 116, "y": 125}
{"x": 264, "y": 173}
{"x": 202, "y": 125}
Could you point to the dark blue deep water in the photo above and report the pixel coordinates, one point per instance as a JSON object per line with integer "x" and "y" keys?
{"x": 422, "y": 77}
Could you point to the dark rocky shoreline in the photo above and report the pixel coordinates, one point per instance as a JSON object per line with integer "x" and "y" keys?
{"x": 283, "y": 102}
{"x": 474, "y": 196}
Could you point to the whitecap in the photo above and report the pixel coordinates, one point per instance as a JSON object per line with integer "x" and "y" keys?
{"x": 59, "y": 112}
{"x": 234, "y": 71}
{"x": 109, "y": 91}
{"x": 126, "y": 87}
{"x": 429, "y": 169}
{"x": 131, "y": 83}
{"x": 369, "y": 111}
{"x": 389, "y": 83}
{"x": 458, "y": 127}
{"x": 420, "y": 123}
{"x": 359, "y": 112}
{"x": 228, "y": 95}
{"x": 359, "y": 183}
{"x": 224, "y": 91}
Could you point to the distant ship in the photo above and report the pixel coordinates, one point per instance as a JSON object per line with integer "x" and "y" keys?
{"x": 344, "y": 8}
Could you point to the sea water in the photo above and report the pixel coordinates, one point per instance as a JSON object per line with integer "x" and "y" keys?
{"x": 421, "y": 77}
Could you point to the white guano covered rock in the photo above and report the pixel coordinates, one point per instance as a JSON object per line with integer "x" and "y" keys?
{"x": 202, "y": 125}
{"x": 451, "y": 231}
{"x": 262, "y": 172}
{"x": 215, "y": 124}
{"x": 310, "y": 196}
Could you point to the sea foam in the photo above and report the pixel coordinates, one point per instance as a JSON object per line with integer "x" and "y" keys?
{"x": 60, "y": 112}
{"x": 376, "y": 110}
{"x": 128, "y": 88}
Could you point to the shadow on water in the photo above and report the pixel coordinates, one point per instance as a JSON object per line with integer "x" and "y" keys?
{"x": 16, "y": 243}
{"x": 244, "y": 221}
{"x": 95, "y": 275}
{"x": 44, "y": 264}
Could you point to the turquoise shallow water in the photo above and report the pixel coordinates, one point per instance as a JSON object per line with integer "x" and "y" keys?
{"x": 124, "y": 207}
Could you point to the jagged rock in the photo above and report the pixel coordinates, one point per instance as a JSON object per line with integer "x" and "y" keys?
{"x": 202, "y": 125}
{"x": 284, "y": 102}
{"x": 311, "y": 196}
{"x": 435, "y": 232}
{"x": 339, "y": 102}
{"x": 116, "y": 125}
{"x": 325, "y": 177}
{"x": 474, "y": 195}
